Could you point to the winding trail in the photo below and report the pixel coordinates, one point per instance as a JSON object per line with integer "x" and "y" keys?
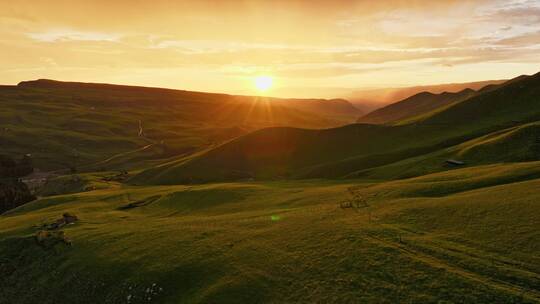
{"x": 437, "y": 262}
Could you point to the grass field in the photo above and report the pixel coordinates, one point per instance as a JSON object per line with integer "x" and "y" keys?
{"x": 440, "y": 238}
{"x": 210, "y": 210}
{"x": 414, "y": 106}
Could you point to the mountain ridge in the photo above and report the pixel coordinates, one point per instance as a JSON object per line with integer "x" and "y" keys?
{"x": 87, "y": 123}
{"x": 353, "y": 147}
{"x": 415, "y": 105}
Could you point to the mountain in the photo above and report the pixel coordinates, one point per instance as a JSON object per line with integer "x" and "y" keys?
{"x": 376, "y": 98}
{"x": 415, "y": 105}
{"x": 91, "y": 126}
{"x": 300, "y": 153}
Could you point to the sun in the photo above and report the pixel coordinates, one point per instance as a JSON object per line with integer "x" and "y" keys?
{"x": 263, "y": 83}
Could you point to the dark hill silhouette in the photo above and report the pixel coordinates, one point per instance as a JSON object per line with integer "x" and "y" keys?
{"x": 415, "y": 105}
{"x": 343, "y": 110}
{"x": 371, "y": 99}
{"x": 92, "y": 126}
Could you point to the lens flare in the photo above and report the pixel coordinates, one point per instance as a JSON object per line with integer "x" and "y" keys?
{"x": 263, "y": 83}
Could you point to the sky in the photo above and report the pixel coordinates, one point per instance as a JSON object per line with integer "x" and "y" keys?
{"x": 308, "y": 48}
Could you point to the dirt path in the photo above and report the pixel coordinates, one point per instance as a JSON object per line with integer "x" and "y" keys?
{"x": 119, "y": 155}
{"x": 435, "y": 262}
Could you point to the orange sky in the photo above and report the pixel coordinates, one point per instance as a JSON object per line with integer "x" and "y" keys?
{"x": 311, "y": 48}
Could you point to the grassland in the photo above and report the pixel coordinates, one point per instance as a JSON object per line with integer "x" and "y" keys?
{"x": 515, "y": 144}
{"x": 208, "y": 214}
{"x": 413, "y": 106}
{"x": 462, "y": 236}
{"x": 104, "y": 127}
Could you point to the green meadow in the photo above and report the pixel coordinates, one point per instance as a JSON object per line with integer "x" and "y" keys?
{"x": 176, "y": 204}
{"x": 464, "y": 236}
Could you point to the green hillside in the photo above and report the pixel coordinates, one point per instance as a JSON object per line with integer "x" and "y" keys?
{"x": 441, "y": 238}
{"x": 338, "y": 152}
{"x": 515, "y": 144}
{"x": 415, "y": 105}
{"x": 213, "y": 211}
{"x": 100, "y": 126}
{"x": 425, "y": 104}
{"x": 391, "y": 157}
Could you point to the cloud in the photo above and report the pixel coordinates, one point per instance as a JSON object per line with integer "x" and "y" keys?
{"x": 58, "y": 35}
{"x": 346, "y": 43}
{"x": 48, "y": 61}
{"x": 524, "y": 40}
{"x": 215, "y": 46}
{"x": 304, "y": 70}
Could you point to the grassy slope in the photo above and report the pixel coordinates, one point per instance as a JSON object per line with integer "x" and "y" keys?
{"x": 387, "y": 96}
{"x": 73, "y": 124}
{"x": 514, "y": 144}
{"x": 415, "y": 105}
{"x": 461, "y": 236}
{"x": 445, "y": 237}
{"x": 287, "y": 152}
{"x": 426, "y": 114}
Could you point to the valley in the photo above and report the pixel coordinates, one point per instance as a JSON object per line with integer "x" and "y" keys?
{"x": 171, "y": 202}
{"x": 270, "y": 152}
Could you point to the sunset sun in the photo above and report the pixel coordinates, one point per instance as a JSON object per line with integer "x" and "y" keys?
{"x": 263, "y": 83}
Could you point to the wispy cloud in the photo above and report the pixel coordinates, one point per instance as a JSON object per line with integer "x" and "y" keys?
{"x": 57, "y": 35}
{"x": 334, "y": 43}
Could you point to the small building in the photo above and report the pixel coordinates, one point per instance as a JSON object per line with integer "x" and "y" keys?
{"x": 454, "y": 162}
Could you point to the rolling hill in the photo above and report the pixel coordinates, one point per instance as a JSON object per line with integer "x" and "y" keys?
{"x": 90, "y": 126}
{"x": 444, "y": 237}
{"x": 424, "y": 104}
{"x": 300, "y": 153}
{"x": 515, "y": 144}
{"x": 371, "y": 99}
{"x": 415, "y": 105}
{"x": 355, "y": 214}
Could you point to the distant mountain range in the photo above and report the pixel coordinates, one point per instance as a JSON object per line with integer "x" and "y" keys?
{"x": 415, "y": 105}
{"x": 370, "y": 99}
{"x": 103, "y": 126}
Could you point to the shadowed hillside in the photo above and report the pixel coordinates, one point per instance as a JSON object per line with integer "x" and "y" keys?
{"x": 418, "y": 104}
{"x": 373, "y": 99}
{"x": 87, "y": 126}
{"x": 285, "y": 152}
{"x": 13, "y": 192}
{"x": 515, "y": 144}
